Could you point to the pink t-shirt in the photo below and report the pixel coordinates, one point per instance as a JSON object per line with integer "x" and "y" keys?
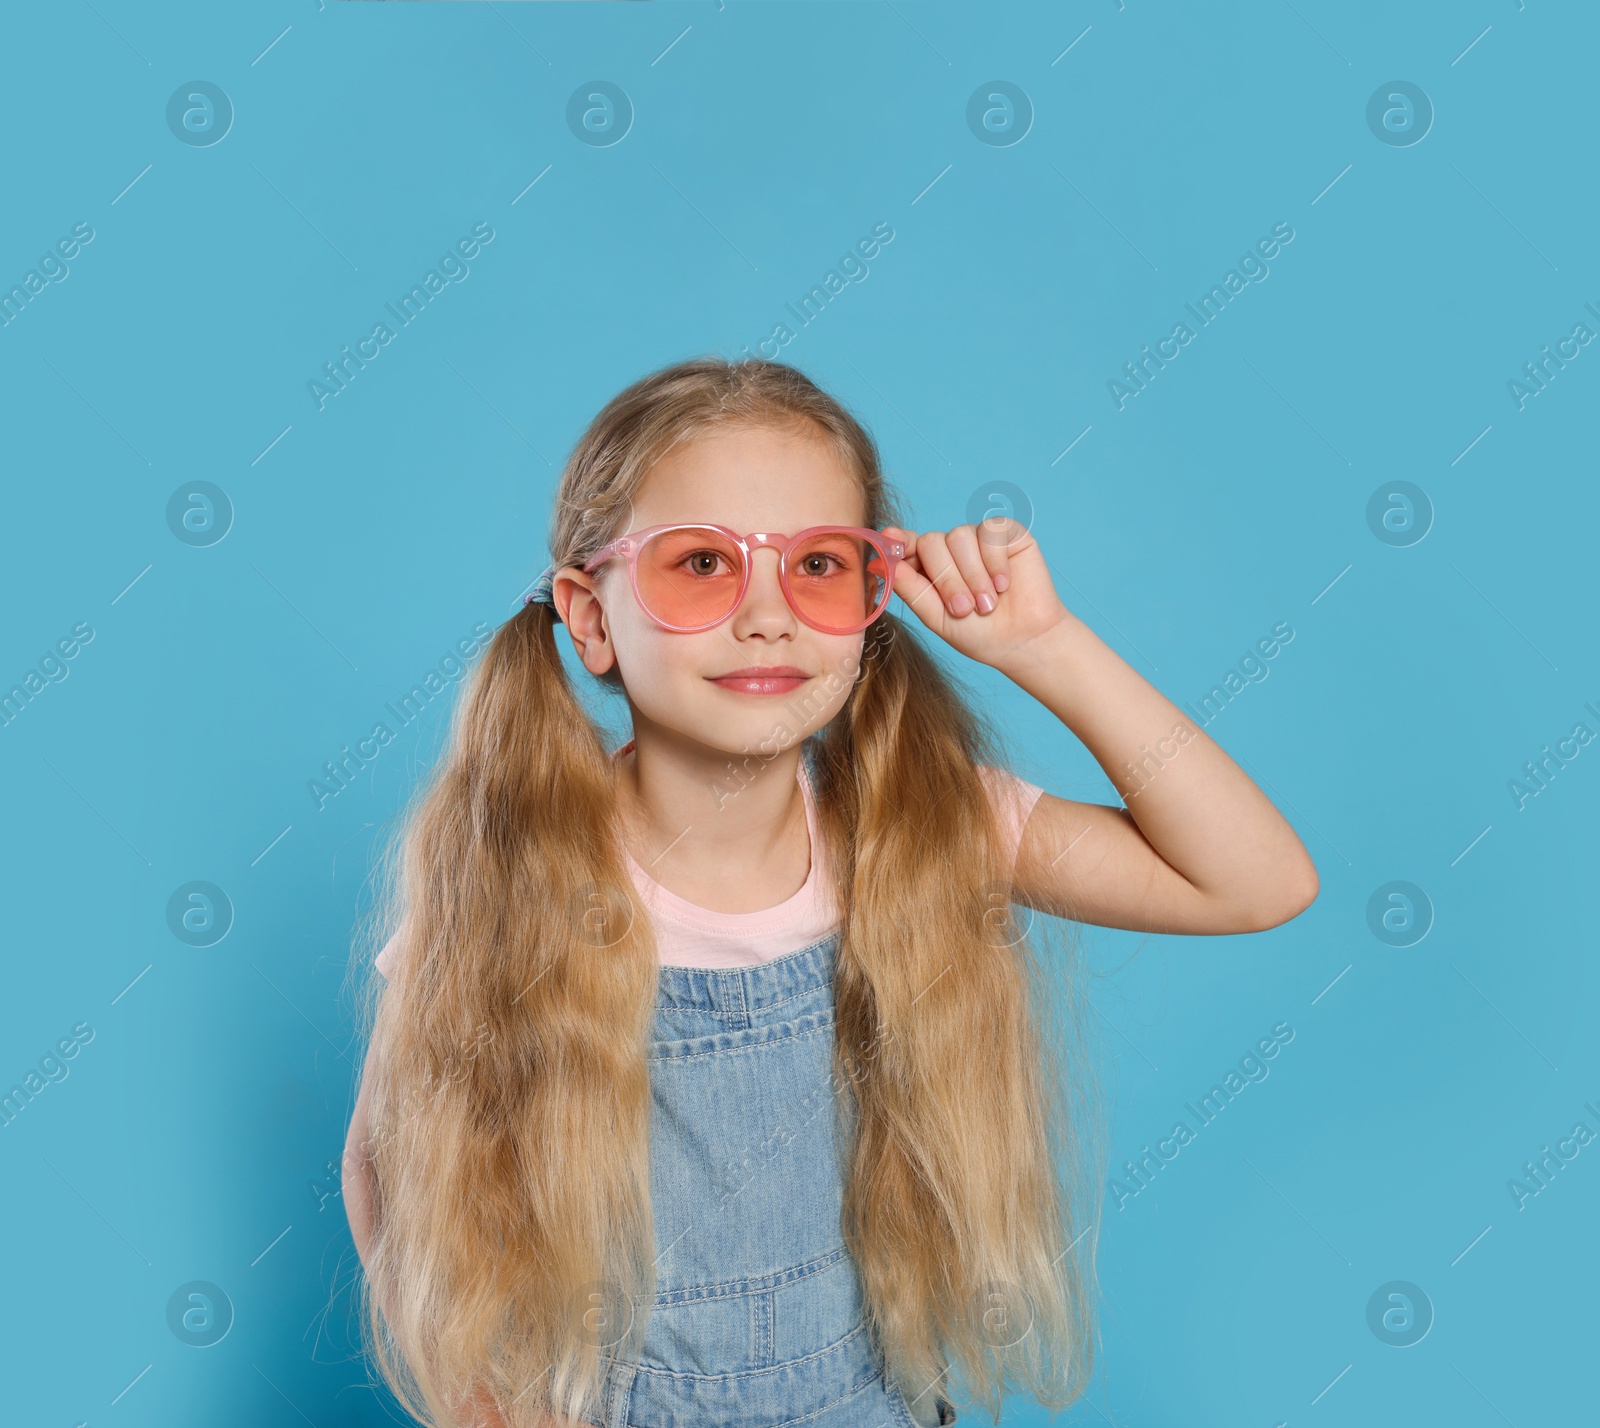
{"x": 691, "y": 936}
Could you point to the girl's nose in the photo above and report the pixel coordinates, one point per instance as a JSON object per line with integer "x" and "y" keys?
{"x": 764, "y": 597}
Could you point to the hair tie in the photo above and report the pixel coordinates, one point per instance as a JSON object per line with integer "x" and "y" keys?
{"x": 542, "y": 591}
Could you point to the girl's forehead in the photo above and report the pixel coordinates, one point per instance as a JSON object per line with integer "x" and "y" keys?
{"x": 750, "y": 480}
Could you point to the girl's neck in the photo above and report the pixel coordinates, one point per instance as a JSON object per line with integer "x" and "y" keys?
{"x": 727, "y": 834}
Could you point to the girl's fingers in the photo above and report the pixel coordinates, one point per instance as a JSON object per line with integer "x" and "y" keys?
{"x": 910, "y": 584}
{"x": 965, "y": 546}
{"x": 939, "y": 564}
{"x": 996, "y": 536}
{"x": 963, "y": 570}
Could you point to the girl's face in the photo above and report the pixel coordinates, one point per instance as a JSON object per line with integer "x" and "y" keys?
{"x": 747, "y": 480}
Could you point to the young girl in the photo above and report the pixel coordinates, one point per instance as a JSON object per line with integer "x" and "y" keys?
{"x": 712, "y": 1084}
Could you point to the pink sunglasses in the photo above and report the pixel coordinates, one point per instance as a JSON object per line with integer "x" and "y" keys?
{"x": 691, "y": 577}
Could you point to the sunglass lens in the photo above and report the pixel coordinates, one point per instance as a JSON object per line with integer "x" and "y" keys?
{"x": 690, "y": 576}
{"x": 837, "y": 579}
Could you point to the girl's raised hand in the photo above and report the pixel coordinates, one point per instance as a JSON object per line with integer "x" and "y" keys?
{"x": 985, "y": 590}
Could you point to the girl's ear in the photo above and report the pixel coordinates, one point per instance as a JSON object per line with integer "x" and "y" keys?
{"x": 585, "y": 618}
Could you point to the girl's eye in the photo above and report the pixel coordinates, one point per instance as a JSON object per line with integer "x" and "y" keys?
{"x": 701, "y": 562}
{"x": 820, "y": 563}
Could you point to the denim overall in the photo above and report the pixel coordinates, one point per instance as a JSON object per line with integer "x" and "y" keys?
{"x": 758, "y": 1317}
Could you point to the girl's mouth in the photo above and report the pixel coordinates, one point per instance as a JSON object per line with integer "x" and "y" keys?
{"x": 762, "y": 679}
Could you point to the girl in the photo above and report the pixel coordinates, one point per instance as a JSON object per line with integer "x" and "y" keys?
{"x": 712, "y": 1083}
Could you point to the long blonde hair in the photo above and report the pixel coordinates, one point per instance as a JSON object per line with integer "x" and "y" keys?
{"x": 509, "y": 1099}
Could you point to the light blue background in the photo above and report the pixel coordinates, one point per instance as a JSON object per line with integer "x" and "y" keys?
{"x": 189, "y": 1139}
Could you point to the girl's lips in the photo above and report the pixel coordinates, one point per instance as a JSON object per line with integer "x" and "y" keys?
{"x": 761, "y": 683}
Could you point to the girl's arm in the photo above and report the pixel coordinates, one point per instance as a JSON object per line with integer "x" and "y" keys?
{"x": 356, "y": 1178}
{"x": 1199, "y": 848}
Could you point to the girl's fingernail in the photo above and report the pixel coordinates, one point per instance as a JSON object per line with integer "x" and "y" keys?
{"x": 960, "y": 605}
{"x": 1001, "y": 581}
{"x": 986, "y": 603}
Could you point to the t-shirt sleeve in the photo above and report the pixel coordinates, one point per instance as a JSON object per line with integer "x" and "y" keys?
{"x": 1013, "y": 799}
{"x": 384, "y": 961}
